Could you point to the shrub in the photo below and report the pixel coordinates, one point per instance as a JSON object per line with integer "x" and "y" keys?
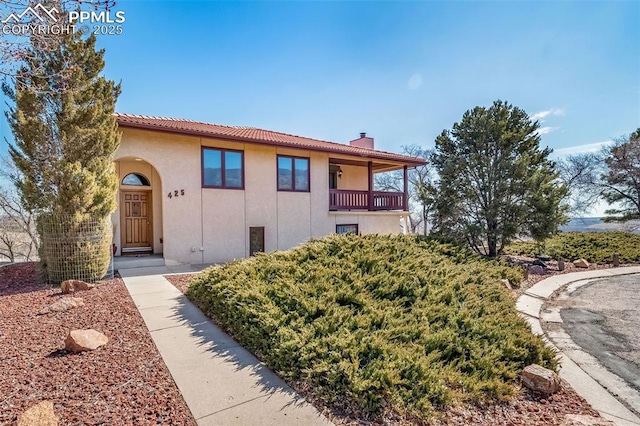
{"x": 596, "y": 247}
{"x": 396, "y": 323}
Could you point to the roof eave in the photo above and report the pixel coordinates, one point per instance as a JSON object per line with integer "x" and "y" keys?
{"x": 415, "y": 161}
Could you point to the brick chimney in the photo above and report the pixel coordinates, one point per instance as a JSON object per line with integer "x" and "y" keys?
{"x": 362, "y": 142}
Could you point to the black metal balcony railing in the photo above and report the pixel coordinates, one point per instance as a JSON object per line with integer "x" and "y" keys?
{"x": 346, "y": 199}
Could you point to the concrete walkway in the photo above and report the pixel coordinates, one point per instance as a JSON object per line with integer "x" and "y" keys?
{"x": 583, "y": 372}
{"x": 221, "y": 382}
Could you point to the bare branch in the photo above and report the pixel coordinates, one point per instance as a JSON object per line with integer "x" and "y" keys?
{"x": 18, "y": 234}
{"x": 18, "y": 45}
{"x": 421, "y": 188}
{"x": 581, "y": 174}
{"x": 612, "y": 175}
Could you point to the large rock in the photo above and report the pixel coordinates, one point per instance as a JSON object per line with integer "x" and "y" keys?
{"x": 62, "y": 305}
{"x": 580, "y": 263}
{"x": 84, "y": 340}
{"x": 71, "y": 286}
{"x": 540, "y": 379}
{"x": 41, "y": 414}
{"x": 539, "y": 263}
{"x": 537, "y": 270}
{"x": 583, "y": 420}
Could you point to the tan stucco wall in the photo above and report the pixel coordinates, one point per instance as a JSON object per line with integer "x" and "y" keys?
{"x": 354, "y": 177}
{"x": 209, "y": 225}
{"x": 176, "y": 159}
{"x": 321, "y": 222}
{"x": 223, "y": 225}
{"x": 370, "y": 222}
{"x": 260, "y": 209}
{"x": 294, "y": 219}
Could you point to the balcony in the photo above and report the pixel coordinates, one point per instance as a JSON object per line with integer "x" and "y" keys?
{"x": 346, "y": 199}
{"x": 351, "y": 186}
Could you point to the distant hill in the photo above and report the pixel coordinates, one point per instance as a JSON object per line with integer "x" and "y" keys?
{"x": 595, "y": 224}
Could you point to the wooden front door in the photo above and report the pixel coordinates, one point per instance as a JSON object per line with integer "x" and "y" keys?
{"x": 136, "y": 221}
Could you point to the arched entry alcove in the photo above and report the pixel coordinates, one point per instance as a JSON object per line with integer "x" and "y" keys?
{"x": 138, "y": 219}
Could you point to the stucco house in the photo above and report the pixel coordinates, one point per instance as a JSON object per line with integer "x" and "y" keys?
{"x": 206, "y": 193}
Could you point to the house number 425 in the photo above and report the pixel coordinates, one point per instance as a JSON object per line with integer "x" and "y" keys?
{"x": 175, "y": 193}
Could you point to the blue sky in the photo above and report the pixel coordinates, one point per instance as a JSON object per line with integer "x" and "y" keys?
{"x": 401, "y": 71}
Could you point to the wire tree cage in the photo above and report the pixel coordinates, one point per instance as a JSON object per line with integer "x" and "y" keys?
{"x": 74, "y": 247}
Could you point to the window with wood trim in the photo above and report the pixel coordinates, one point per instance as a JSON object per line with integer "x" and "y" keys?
{"x": 347, "y": 228}
{"x": 293, "y": 173}
{"x": 135, "y": 179}
{"x": 222, "y": 168}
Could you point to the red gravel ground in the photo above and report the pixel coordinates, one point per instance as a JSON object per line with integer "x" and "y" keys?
{"x": 122, "y": 383}
{"x": 526, "y": 408}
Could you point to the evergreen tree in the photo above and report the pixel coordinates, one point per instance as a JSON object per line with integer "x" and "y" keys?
{"x": 65, "y": 135}
{"x": 15, "y": 49}
{"x": 496, "y": 182}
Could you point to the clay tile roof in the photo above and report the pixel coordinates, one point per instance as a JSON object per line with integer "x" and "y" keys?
{"x": 254, "y": 135}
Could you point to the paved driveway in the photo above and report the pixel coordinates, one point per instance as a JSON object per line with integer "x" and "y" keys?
{"x": 603, "y": 317}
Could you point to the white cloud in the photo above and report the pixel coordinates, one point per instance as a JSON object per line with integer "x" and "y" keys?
{"x": 541, "y": 115}
{"x": 545, "y": 130}
{"x": 580, "y": 149}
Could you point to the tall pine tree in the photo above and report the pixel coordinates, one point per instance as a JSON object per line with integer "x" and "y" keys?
{"x": 496, "y": 183}
{"x": 65, "y": 137}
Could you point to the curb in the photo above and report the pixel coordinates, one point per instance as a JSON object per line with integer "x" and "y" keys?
{"x": 530, "y": 304}
{"x": 10, "y": 264}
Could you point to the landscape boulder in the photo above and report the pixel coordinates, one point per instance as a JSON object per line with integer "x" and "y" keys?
{"x": 41, "y": 414}
{"x": 84, "y": 340}
{"x": 71, "y": 286}
{"x": 540, "y": 379}
{"x": 539, "y": 263}
{"x": 62, "y": 305}
{"x": 584, "y": 420}
{"x": 580, "y": 263}
{"x": 537, "y": 270}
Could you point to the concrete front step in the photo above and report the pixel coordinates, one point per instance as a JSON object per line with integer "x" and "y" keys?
{"x": 129, "y": 262}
